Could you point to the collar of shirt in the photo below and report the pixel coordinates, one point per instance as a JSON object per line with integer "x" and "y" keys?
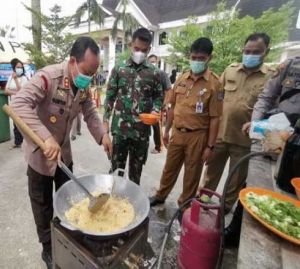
{"x": 263, "y": 68}
{"x": 130, "y": 63}
{"x": 204, "y": 75}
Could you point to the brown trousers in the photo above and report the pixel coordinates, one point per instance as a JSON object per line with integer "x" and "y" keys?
{"x": 214, "y": 170}
{"x": 187, "y": 149}
{"x": 40, "y": 189}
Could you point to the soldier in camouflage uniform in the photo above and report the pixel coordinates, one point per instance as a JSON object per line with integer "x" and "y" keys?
{"x": 134, "y": 88}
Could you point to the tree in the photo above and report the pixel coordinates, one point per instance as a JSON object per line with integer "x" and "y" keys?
{"x": 94, "y": 12}
{"x": 36, "y": 24}
{"x": 228, "y": 32}
{"x": 129, "y": 24}
{"x": 56, "y": 44}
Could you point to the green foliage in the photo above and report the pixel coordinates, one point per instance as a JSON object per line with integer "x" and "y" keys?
{"x": 129, "y": 24}
{"x": 122, "y": 56}
{"x": 56, "y": 44}
{"x": 94, "y": 11}
{"x": 228, "y": 32}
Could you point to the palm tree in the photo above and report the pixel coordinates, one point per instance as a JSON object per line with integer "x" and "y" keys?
{"x": 94, "y": 10}
{"x": 129, "y": 24}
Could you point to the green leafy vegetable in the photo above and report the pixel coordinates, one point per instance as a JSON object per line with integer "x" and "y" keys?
{"x": 284, "y": 216}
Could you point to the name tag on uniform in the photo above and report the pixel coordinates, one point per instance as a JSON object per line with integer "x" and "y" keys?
{"x": 199, "y": 107}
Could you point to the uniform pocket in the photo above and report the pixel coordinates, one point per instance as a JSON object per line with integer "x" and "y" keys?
{"x": 229, "y": 91}
{"x": 56, "y": 110}
{"x": 180, "y": 92}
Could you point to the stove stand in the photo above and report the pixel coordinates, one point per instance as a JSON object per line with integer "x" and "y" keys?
{"x": 75, "y": 250}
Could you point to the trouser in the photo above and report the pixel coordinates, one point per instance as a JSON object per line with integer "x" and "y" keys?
{"x": 216, "y": 165}
{"x": 40, "y": 189}
{"x": 137, "y": 151}
{"x": 187, "y": 149}
{"x": 76, "y": 125}
{"x": 18, "y": 136}
{"x": 157, "y": 136}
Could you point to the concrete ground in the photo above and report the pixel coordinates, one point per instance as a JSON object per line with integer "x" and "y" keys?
{"x": 19, "y": 248}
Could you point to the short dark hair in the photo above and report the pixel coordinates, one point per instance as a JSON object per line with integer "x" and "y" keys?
{"x": 202, "y": 45}
{"x": 14, "y": 63}
{"x": 256, "y": 36}
{"x": 142, "y": 34}
{"x": 152, "y": 55}
{"x": 81, "y": 45}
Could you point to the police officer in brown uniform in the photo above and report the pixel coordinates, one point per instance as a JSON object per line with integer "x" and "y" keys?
{"x": 242, "y": 83}
{"x": 48, "y": 103}
{"x": 196, "y": 109}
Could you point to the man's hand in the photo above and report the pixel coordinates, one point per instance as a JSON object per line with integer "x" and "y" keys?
{"x": 107, "y": 145}
{"x": 206, "y": 155}
{"x": 246, "y": 127}
{"x": 52, "y": 151}
{"x": 106, "y": 126}
{"x": 166, "y": 139}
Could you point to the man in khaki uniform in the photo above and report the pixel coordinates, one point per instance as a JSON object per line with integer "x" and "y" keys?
{"x": 242, "y": 83}
{"x": 48, "y": 103}
{"x": 196, "y": 108}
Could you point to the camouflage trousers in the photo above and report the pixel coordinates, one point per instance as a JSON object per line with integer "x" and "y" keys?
{"x": 137, "y": 151}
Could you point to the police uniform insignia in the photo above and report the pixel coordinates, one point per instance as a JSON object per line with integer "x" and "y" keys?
{"x": 53, "y": 119}
{"x": 66, "y": 83}
{"x": 220, "y": 95}
{"x": 61, "y": 92}
{"x": 202, "y": 92}
{"x": 83, "y": 95}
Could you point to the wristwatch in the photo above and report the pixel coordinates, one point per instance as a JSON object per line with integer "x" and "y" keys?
{"x": 210, "y": 147}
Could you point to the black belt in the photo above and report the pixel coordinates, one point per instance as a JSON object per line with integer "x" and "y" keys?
{"x": 186, "y": 130}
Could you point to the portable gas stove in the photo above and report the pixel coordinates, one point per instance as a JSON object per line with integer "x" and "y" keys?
{"x": 75, "y": 250}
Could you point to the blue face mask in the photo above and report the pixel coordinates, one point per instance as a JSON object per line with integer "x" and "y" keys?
{"x": 82, "y": 81}
{"x": 251, "y": 61}
{"x": 198, "y": 67}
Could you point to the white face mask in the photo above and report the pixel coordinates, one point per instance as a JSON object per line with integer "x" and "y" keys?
{"x": 138, "y": 57}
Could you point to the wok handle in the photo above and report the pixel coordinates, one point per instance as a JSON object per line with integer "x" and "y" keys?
{"x": 24, "y": 127}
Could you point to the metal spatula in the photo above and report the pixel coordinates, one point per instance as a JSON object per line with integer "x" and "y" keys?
{"x": 95, "y": 202}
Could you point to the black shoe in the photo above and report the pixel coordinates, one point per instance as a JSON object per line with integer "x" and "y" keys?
{"x": 231, "y": 237}
{"x": 73, "y": 137}
{"x": 155, "y": 201}
{"x": 47, "y": 258}
{"x": 233, "y": 230}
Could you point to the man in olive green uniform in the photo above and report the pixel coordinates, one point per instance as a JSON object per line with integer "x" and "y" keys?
{"x": 242, "y": 83}
{"x": 134, "y": 88}
{"x": 196, "y": 106}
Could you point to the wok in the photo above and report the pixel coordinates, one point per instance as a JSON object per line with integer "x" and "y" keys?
{"x": 70, "y": 193}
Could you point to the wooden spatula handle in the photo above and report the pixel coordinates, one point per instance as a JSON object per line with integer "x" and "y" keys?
{"x": 24, "y": 127}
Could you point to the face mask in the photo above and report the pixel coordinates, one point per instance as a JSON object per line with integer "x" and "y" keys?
{"x": 138, "y": 57}
{"x": 197, "y": 67}
{"x": 19, "y": 71}
{"x": 82, "y": 81}
{"x": 251, "y": 61}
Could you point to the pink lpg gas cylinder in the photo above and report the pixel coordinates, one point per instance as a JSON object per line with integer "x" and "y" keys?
{"x": 200, "y": 234}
